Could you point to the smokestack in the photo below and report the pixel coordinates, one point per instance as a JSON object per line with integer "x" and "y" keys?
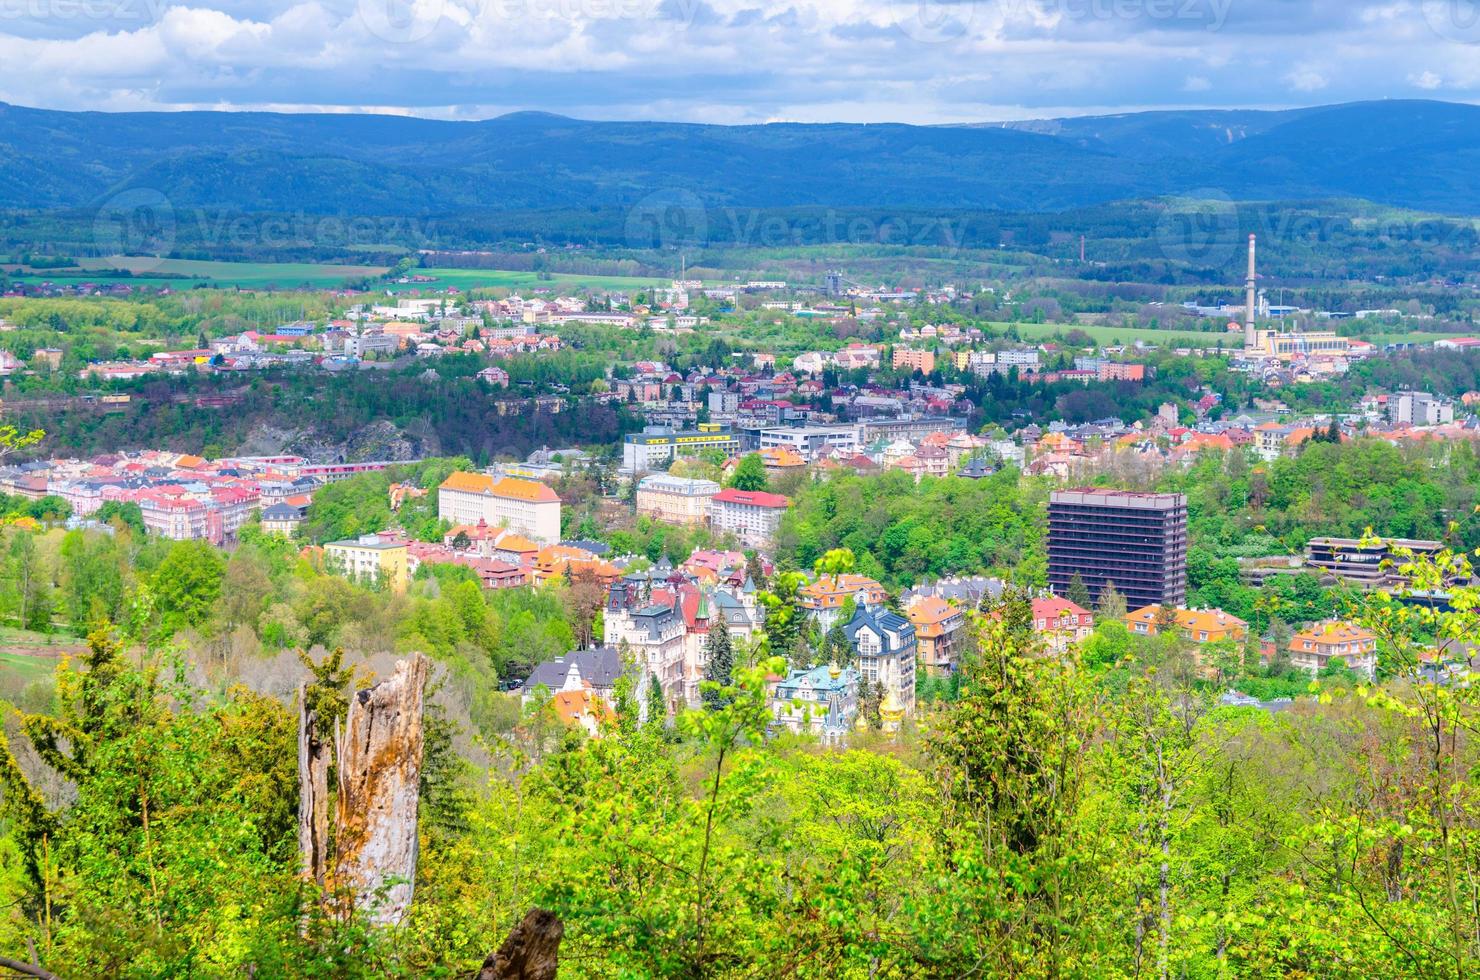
{"x": 1249, "y": 287}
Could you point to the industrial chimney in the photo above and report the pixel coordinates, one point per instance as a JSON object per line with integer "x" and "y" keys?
{"x": 1249, "y": 288}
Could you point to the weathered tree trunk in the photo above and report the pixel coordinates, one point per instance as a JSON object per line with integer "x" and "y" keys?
{"x": 531, "y": 951}
{"x": 313, "y": 792}
{"x": 379, "y": 754}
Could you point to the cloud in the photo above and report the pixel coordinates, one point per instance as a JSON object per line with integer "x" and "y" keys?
{"x": 726, "y": 60}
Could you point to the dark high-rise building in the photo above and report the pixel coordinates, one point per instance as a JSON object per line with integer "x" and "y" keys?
{"x": 1138, "y": 541}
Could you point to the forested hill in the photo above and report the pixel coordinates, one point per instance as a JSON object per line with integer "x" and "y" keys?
{"x": 1422, "y": 155}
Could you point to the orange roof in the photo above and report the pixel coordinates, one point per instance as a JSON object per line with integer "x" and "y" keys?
{"x": 516, "y": 543}
{"x": 572, "y": 706}
{"x": 781, "y": 456}
{"x": 1323, "y": 633}
{"x": 508, "y": 487}
{"x": 467, "y": 482}
{"x": 831, "y": 591}
{"x": 1192, "y": 620}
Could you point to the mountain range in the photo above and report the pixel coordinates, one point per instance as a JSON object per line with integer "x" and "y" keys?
{"x": 1412, "y": 154}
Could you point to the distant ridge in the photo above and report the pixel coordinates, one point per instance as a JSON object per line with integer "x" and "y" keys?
{"x": 1413, "y": 154}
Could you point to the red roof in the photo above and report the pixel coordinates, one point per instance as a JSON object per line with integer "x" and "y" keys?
{"x": 755, "y": 498}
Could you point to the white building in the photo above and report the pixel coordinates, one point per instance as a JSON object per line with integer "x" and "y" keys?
{"x": 750, "y": 515}
{"x": 524, "y": 506}
{"x": 812, "y": 441}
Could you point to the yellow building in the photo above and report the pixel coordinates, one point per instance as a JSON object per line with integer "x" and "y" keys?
{"x": 1286, "y": 346}
{"x": 1198, "y": 625}
{"x": 676, "y": 499}
{"x": 369, "y": 559}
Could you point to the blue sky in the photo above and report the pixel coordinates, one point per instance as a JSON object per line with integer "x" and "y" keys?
{"x": 733, "y": 61}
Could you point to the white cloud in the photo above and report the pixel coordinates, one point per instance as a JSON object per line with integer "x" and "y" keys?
{"x": 726, "y": 60}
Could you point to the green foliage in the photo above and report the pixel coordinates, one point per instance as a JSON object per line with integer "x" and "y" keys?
{"x": 749, "y": 474}
{"x": 900, "y": 531}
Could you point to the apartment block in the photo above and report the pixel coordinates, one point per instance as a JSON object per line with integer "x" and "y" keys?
{"x": 523, "y": 506}
{"x": 1135, "y": 541}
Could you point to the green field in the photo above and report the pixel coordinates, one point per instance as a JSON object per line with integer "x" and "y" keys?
{"x": 498, "y": 278}
{"x": 1124, "y": 335}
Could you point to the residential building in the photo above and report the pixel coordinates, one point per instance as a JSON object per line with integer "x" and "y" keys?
{"x": 523, "y": 506}
{"x": 1198, "y": 625}
{"x": 1371, "y": 565}
{"x": 1135, "y": 541}
{"x": 938, "y": 630}
{"x": 676, "y": 499}
{"x": 822, "y": 701}
{"x": 914, "y": 359}
{"x": 1314, "y": 648}
{"x": 1419, "y": 408}
{"x": 283, "y": 519}
{"x": 885, "y": 644}
{"x": 657, "y": 444}
{"x": 825, "y": 598}
{"x": 751, "y": 515}
{"x": 596, "y": 670}
{"x": 1061, "y": 622}
{"x": 370, "y": 559}
{"x": 656, "y": 635}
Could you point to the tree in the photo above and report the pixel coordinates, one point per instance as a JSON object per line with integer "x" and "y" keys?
{"x": 719, "y": 671}
{"x": 186, "y": 585}
{"x": 750, "y": 474}
{"x": 1078, "y": 592}
{"x": 657, "y": 704}
{"x": 1112, "y": 603}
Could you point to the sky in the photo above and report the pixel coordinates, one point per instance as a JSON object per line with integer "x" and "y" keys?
{"x": 734, "y": 61}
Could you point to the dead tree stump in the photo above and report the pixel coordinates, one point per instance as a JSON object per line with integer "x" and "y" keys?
{"x": 379, "y": 752}
{"x": 313, "y": 792}
{"x": 531, "y": 951}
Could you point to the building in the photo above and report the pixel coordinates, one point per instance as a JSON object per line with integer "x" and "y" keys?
{"x": 675, "y": 499}
{"x": 1198, "y": 625}
{"x": 1371, "y": 566}
{"x": 596, "y": 670}
{"x": 913, "y": 359}
{"x": 822, "y": 701}
{"x": 824, "y": 599}
{"x": 1061, "y": 622}
{"x": 813, "y": 441}
{"x": 938, "y": 631}
{"x": 283, "y": 519}
{"x": 524, "y": 506}
{"x": 751, "y": 515}
{"x": 1313, "y": 648}
{"x": 657, "y": 445}
{"x": 1419, "y": 408}
{"x": 370, "y": 559}
{"x": 1287, "y": 346}
{"x": 885, "y": 644}
{"x": 1135, "y": 541}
